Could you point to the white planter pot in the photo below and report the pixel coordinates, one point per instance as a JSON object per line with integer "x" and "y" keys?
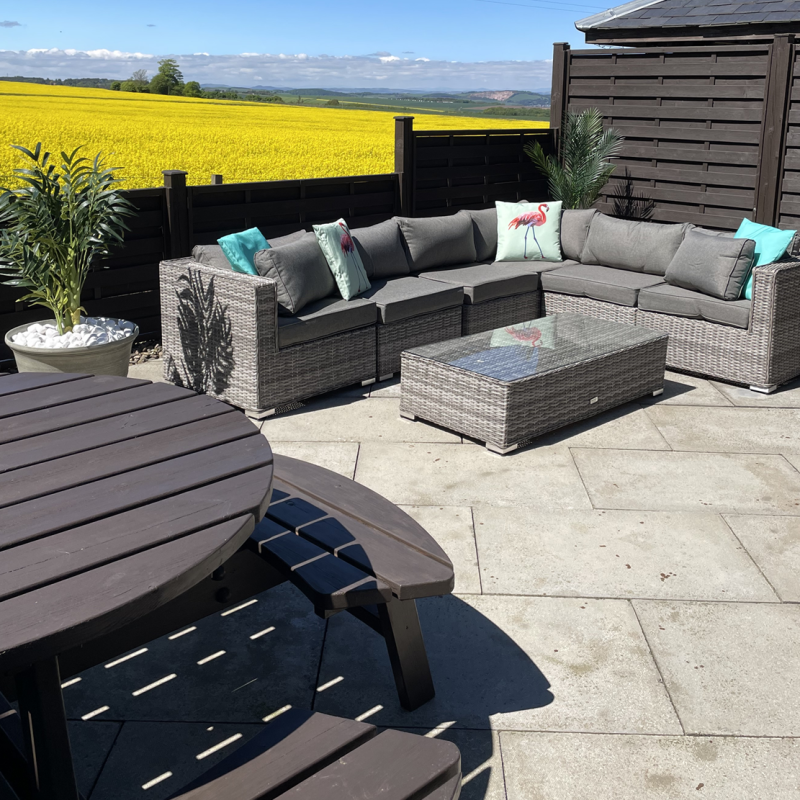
{"x": 110, "y": 358}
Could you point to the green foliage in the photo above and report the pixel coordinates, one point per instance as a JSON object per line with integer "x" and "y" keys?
{"x": 333, "y": 102}
{"x": 116, "y": 86}
{"x": 583, "y": 169}
{"x": 169, "y": 79}
{"x": 56, "y": 225}
{"x": 159, "y": 84}
{"x": 133, "y": 86}
{"x": 192, "y": 89}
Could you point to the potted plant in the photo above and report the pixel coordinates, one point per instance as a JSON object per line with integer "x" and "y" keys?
{"x": 53, "y": 229}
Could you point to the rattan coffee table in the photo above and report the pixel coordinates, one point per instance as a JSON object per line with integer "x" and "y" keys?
{"x": 508, "y": 386}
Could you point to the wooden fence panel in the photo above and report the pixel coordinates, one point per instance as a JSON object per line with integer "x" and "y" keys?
{"x": 473, "y": 169}
{"x": 692, "y": 118}
{"x": 789, "y": 209}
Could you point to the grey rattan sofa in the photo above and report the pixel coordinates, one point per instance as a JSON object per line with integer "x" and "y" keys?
{"x": 228, "y": 335}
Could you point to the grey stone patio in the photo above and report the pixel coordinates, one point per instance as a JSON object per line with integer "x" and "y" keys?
{"x": 625, "y": 624}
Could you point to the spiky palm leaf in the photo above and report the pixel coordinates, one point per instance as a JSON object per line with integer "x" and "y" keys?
{"x": 56, "y": 226}
{"x": 584, "y": 168}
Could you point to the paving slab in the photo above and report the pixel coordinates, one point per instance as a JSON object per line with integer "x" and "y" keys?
{"x": 730, "y": 668}
{"x": 343, "y": 419}
{"x": 91, "y": 742}
{"x": 338, "y": 457}
{"x": 562, "y": 766}
{"x": 787, "y": 396}
{"x": 774, "y": 544}
{"x": 390, "y": 388}
{"x": 451, "y": 527}
{"x": 719, "y": 482}
{"x": 729, "y": 430}
{"x": 627, "y": 427}
{"x": 503, "y": 663}
{"x": 152, "y": 370}
{"x": 155, "y": 759}
{"x": 794, "y": 460}
{"x": 459, "y": 475}
{"x": 230, "y": 668}
{"x": 687, "y": 390}
{"x": 615, "y": 554}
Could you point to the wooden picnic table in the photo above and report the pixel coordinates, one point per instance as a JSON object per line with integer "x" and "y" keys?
{"x": 117, "y": 496}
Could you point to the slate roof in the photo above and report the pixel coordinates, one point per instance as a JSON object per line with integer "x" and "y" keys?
{"x": 686, "y": 13}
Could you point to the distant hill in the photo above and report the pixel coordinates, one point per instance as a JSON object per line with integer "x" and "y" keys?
{"x": 90, "y": 83}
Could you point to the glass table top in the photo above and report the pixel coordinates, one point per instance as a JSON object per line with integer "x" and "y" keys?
{"x": 536, "y": 347}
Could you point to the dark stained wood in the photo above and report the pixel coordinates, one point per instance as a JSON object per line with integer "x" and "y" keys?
{"x": 559, "y": 83}
{"x": 13, "y": 762}
{"x": 288, "y": 751}
{"x": 25, "y": 381}
{"x": 177, "y": 212}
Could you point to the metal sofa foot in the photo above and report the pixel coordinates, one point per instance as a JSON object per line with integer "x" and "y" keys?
{"x": 764, "y": 389}
{"x": 256, "y": 414}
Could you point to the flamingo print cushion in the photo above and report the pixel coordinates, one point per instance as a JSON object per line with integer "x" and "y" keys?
{"x": 343, "y": 258}
{"x": 529, "y": 231}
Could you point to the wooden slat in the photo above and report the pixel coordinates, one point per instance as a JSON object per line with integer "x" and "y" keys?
{"x": 25, "y": 381}
{"x": 718, "y": 113}
{"x": 481, "y": 190}
{"x": 290, "y": 749}
{"x": 694, "y": 154}
{"x": 633, "y": 67}
{"x": 666, "y": 133}
{"x": 510, "y": 151}
{"x": 328, "y": 582}
{"x": 37, "y": 624}
{"x": 667, "y": 193}
{"x": 75, "y": 506}
{"x": 82, "y": 438}
{"x": 667, "y": 214}
{"x": 255, "y": 186}
{"x": 58, "y": 474}
{"x": 36, "y": 423}
{"x": 86, "y": 547}
{"x": 686, "y": 176}
{"x": 94, "y": 386}
{"x": 477, "y": 171}
{"x": 654, "y": 90}
{"x": 393, "y": 766}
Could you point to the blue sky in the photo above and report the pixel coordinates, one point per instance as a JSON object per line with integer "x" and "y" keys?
{"x": 496, "y": 43}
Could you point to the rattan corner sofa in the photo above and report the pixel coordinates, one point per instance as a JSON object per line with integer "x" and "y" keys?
{"x": 228, "y": 334}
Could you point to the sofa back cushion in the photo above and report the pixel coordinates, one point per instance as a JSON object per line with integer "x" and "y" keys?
{"x": 280, "y": 241}
{"x": 211, "y": 255}
{"x": 574, "y": 230}
{"x": 381, "y": 249}
{"x": 300, "y": 272}
{"x": 438, "y": 241}
{"x": 484, "y": 231}
{"x": 714, "y": 265}
{"x": 631, "y": 244}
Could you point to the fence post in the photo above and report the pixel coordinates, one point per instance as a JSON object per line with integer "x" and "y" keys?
{"x": 559, "y": 88}
{"x": 216, "y": 179}
{"x": 777, "y": 91}
{"x": 177, "y": 212}
{"x": 404, "y": 163}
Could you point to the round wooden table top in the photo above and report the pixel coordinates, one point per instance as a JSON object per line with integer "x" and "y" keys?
{"x": 116, "y": 495}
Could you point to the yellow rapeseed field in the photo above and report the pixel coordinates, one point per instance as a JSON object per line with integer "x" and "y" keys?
{"x": 145, "y": 134}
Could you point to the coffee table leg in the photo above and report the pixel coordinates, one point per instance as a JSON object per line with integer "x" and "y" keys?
{"x": 44, "y": 724}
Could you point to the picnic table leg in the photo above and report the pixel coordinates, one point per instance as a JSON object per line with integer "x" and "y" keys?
{"x": 44, "y": 724}
{"x": 412, "y": 674}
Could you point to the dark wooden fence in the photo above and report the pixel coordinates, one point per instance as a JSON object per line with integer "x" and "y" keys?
{"x": 437, "y": 172}
{"x": 704, "y": 127}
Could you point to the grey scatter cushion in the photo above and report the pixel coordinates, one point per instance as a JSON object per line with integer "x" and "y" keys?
{"x": 438, "y": 241}
{"x": 300, "y": 272}
{"x": 484, "y": 230}
{"x": 381, "y": 249}
{"x": 280, "y": 241}
{"x": 211, "y": 255}
{"x": 631, "y": 244}
{"x": 574, "y": 230}
{"x": 714, "y": 265}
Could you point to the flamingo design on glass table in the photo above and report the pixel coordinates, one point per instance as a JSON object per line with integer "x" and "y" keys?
{"x": 346, "y": 242}
{"x": 530, "y": 220}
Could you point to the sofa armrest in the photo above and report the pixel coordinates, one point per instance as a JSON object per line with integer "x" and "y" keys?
{"x": 217, "y": 326}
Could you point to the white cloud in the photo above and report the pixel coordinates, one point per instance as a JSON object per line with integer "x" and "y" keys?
{"x": 298, "y": 71}
{"x": 10, "y": 23}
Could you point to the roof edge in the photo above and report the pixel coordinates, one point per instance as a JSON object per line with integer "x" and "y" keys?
{"x": 587, "y": 23}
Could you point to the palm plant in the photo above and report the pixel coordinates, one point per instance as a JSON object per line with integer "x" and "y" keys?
{"x": 583, "y": 169}
{"x": 56, "y": 225}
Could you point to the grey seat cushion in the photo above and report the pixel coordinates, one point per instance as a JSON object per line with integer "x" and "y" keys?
{"x": 714, "y": 265}
{"x": 482, "y": 282}
{"x": 618, "y": 286}
{"x": 300, "y": 272}
{"x": 401, "y": 298}
{"x": 438, "y": 241}
{"x": 325, "y": 318}
{"x": 539, "y": 266}
{"x": 381, "y": 249}
{"x": 211, "y": 255}
{"x": 575, "y": 224}
{"x": 666, "y": 299}
{"x": 631, "y": 244}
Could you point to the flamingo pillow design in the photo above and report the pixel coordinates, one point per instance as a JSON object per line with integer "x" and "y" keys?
{"x": 343, "y": 258}
{"x": 529, "y": 231}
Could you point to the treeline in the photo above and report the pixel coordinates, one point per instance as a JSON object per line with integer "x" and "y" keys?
{"x": 87, "y": 83}
{"x": 169, "y": 80}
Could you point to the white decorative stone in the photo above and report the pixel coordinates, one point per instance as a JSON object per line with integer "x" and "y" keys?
{"x": 90, "y": 331}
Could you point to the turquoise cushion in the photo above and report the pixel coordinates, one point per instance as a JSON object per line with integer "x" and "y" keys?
{"x": 771, "y": 244}
{"x": 240, "y": 248}
{"x": 343, "y": 258}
